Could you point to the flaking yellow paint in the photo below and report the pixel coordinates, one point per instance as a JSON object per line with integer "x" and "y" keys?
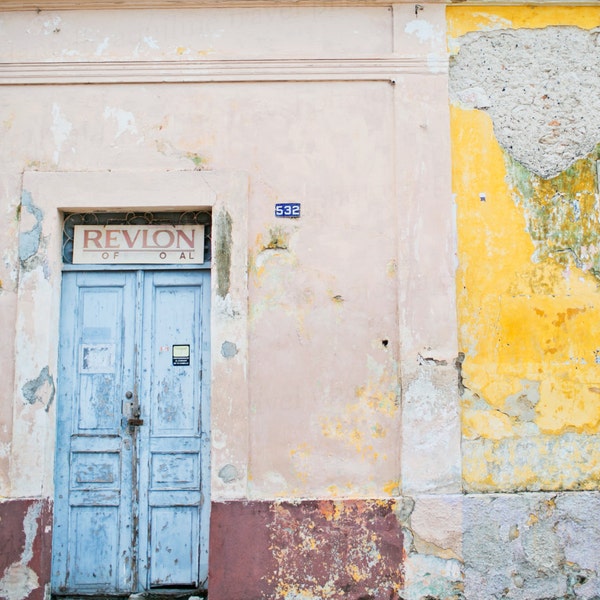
{"x": 529, "y": 319}
{"x": 495, "y": 424}
{"x": 392, "y": 488}
{"x": 462, "y": 19}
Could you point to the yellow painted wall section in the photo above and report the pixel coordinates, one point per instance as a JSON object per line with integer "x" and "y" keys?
{"x": 528, "y": 299}
{"x": 463, "y": 19}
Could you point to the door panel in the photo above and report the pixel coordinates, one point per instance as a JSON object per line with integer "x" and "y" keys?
{"x": 116, "y": 352}
{"x": 92, "y": 531}
{"x": 171, "y": 462}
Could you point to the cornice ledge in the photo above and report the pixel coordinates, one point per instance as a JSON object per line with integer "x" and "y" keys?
{"x": 15, "y": 5}
{"x": 205, "y": 71}
{"x": 53, "y": 5}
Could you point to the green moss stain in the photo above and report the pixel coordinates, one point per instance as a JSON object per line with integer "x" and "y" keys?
{"x": 563, "y": 213}
{"x": 199, "y": 162}
{"x": 223, "y": 252}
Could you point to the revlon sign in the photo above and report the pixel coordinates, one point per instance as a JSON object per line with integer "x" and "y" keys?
{"x": 138, "y": 244}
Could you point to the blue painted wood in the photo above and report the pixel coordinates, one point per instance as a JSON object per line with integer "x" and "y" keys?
{"x": 117, "y": 334}
{"x": 92, "y": 532}
{"x": 174, "y": 463}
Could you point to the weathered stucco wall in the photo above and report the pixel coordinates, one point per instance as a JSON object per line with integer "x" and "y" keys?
{"x": 525, "y": 134}
{"x": 316, "y": 323}
{"x": 525, "y": 131}
{"x": 335, "y": 266}
{"x": 344, "y": 350}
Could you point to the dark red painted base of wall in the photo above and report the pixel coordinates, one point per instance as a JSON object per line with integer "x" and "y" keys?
{"x": 25, "y": 543}
{"x": 350, "y": 549}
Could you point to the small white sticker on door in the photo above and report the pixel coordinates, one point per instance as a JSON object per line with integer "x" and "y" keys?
{"x": 97, "y": 358}
{"x": 181, "y": 355}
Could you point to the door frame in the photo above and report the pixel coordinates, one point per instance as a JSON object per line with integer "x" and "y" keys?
{"x": 45, "y": 197}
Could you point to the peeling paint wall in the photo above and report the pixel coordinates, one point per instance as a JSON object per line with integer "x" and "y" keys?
{"x": 306, "y": 367}
{"x": 525, "y": 135}
{"x": 308, "y": 550}
{"x": 390, "y": 419}
{"x": 25, "y": 557}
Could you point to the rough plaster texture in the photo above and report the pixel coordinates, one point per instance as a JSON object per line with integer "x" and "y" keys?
{"x": 532, "y": 546}
{"x": 562, "y": 216}
{"x": 540, "y": 86}
{"x": 537, "y": 546}
{"x": 432, "y": 527}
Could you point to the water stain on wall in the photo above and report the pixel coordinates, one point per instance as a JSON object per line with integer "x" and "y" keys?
{"x": 223, "y": 227}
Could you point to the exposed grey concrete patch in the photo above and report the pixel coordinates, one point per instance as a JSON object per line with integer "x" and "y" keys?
{"x": 521, "y": 405}
{"x": 540, "y": 87}
{"x": 532, "y": 546}
{"x": 41, "y": 389}
{"x": 228, "y": 473}
{"x": 30, "y": 527}
{"x": 404, "y": 508}
{"x": 228, "y": 349}
{"x": 29, "y": 241}
{"x": 223, "y": 252}
{"x": 18, "y": 582}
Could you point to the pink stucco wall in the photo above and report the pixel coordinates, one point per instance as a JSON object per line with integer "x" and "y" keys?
{"x": 340, "y": 326}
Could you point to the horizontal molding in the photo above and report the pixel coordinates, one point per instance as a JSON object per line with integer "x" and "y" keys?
{"x": 13, "y": 5}
{"x": 16, "y": 5}
{"x": 205, "y": 71}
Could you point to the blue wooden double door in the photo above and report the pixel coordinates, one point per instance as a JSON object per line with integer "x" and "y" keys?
{"x": 132, "y": 462}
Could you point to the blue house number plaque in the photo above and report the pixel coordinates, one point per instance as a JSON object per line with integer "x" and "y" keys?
{"x": 290, "y": 210}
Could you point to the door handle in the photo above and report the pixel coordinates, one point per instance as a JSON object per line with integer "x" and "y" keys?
{"x": 135, "y": 422}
